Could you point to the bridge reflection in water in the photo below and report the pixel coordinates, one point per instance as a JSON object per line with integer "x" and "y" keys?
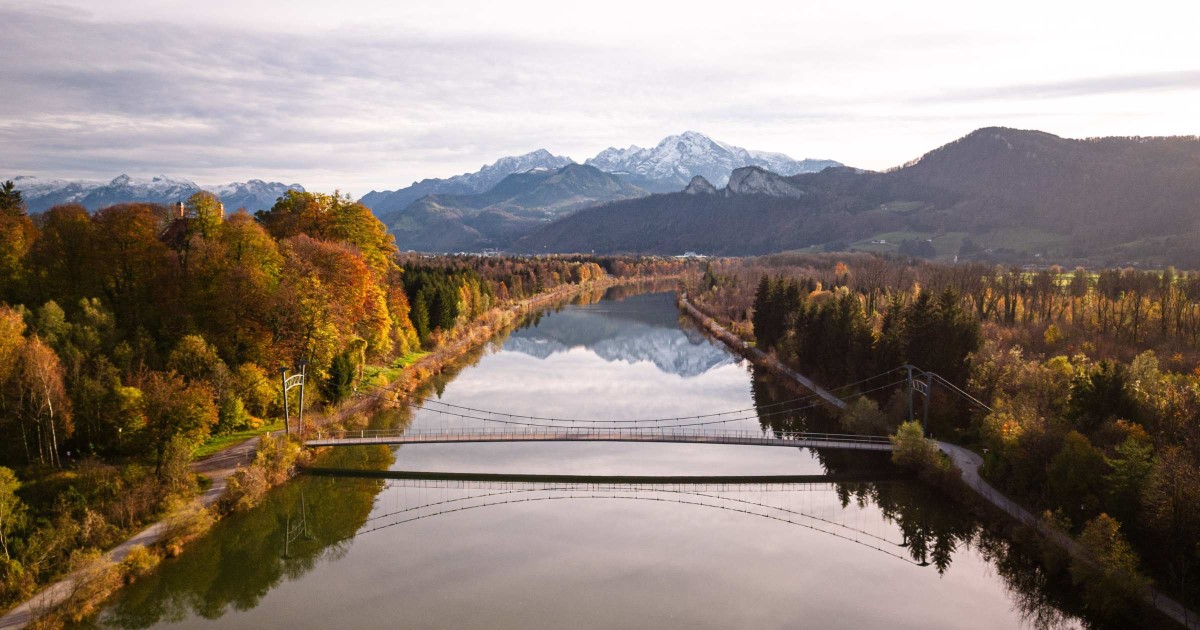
{"x": 812, "y": 502}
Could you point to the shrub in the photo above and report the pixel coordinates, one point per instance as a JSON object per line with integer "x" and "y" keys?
{"x": 138, "y": 562}
{"x": 911, "y": 449}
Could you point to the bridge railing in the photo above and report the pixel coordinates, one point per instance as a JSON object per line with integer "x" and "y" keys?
{"x": 587, "y": 433}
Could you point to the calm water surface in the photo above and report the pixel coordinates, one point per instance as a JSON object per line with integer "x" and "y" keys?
{"x": 352, "y": 551}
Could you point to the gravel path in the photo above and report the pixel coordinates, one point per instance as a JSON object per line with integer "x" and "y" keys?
{"x": 217, "y": 467}
{"x": 969, "y": 462}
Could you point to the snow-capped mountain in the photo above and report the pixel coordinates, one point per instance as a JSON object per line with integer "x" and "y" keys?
{"x": 673, "y": 162}
{"x": 42, "y": 194}
{"x": 252, "y": 195}
{"x": 466, "y": 184}
{"x": 124, "y": 189}
{"x": 686, "y": 353}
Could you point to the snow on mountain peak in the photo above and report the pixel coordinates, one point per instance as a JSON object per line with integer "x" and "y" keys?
{"x": 676, "y": 159}
{"x": 40, "y": 194}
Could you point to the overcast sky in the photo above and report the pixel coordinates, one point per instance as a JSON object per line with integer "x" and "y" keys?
{"x": 362, "y": 94}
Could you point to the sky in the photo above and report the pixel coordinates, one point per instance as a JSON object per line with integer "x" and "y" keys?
{"x": 365, "y": 94}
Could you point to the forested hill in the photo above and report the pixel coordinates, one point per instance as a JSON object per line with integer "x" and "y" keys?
{"x": 997, "y": 193}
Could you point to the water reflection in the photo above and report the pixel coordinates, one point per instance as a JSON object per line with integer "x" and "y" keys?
{"x": 641, "y": 328}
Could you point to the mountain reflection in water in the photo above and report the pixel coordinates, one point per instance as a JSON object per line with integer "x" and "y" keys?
{"x": 631, "y": 330}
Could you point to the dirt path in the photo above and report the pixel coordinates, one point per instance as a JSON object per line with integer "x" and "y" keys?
{"x": 217, "y": 467}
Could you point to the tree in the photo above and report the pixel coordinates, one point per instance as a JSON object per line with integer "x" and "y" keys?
{"x": 10, "y": 199}
{"x": 12, "y": 509}
{"x": 17, "y": 234}
{"x": 864, "y": 416}
{"x": 1075, "y": 477}
{"x": 46, "y": 406}
{"x": 64, "y": 256}
{"x": 1169, "y": 502}
{"x": 256, "y": 388}
{"x": 1100, "y": 394}
{"x": 175, "y": 408}
{"x": 206, "y": 213}
{"x": 236, "y": 281}
{"x": 196, "y": 360}
{"x": 130, "y": 257}
{"x": 911, "y": 449}
{"x": 1130, "y": 473}
{"x": 340, "y": 383}
{"x": 1112, "y": 582}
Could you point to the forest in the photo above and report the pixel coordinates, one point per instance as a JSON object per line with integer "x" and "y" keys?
{"x": 132, "y": 337}
{"x": 1091, "y": 381}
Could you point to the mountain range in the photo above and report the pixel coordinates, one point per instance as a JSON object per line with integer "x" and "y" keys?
{"x": 672, "y": 163}
{"x": 996, "y": 194}
{"x": 516, "y": 205}
{"x": 383, "y": 202}
{"x": 514, "y": 195}
{"x": 42, "y": 194}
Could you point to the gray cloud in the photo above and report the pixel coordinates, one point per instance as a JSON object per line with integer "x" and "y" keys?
{"x": 378, "y": 106}
{"x": 1188, "y": 80}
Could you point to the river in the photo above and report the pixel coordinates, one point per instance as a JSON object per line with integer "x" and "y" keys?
{"x": 856, "y": 545}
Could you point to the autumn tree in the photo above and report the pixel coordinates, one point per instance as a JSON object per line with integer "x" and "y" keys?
{"x": 1110, "y": 574}
{"x": 205, "y": 213}
{"x": 17, "y": 235}
{"x": 12, "y": 508}
{"x": 46, "y": 407}
{"x": 64, "y": 256}
{"x": 130, "y": 258}
{"x": 175, "y": 409}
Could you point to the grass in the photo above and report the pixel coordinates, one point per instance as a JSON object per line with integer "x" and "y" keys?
{"x": 381, "y": 374}
{"x": 218, "y": 443}
{"x": 408, "y": 359}
{"x": 946, "y": 244}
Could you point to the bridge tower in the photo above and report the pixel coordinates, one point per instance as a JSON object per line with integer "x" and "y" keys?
{"x": 290, "y": 383}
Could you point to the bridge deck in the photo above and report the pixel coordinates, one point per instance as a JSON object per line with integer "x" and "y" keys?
{"x": 799, "y": 440}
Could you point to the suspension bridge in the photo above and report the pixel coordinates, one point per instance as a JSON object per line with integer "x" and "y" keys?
{"x": 591, "y": 434}
{"x": 461, "y": 424}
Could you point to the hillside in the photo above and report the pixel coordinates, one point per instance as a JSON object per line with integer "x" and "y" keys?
{"x": 996, "y": 194}
{"x": 513, "y": 207}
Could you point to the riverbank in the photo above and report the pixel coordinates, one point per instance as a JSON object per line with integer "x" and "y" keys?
{"x": 965, "y": 461}
{"x": 479, "y": 332}
{"x": 756, "y": 356}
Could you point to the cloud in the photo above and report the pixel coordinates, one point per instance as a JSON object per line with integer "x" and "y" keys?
{"x": 429, "y": 92}
{"x": 1188, "y": 80}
